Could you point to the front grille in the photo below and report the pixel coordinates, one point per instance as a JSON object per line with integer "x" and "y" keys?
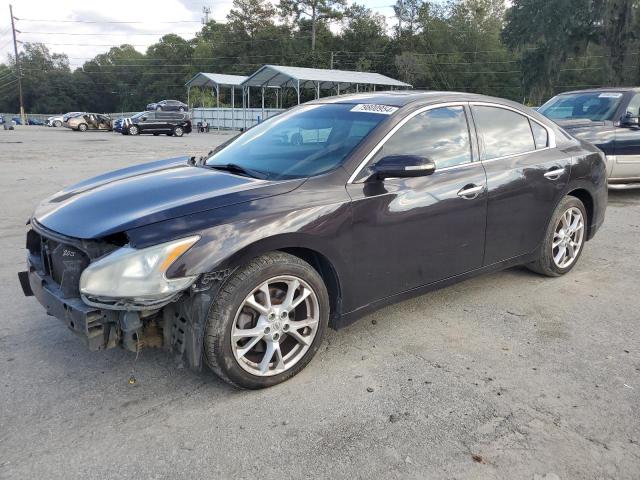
{"x": 63, "y": 259}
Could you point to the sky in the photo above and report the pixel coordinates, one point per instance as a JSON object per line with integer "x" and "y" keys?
{"x": 113, "y": 22}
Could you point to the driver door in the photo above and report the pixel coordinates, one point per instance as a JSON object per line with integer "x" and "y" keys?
{"x": 410, "y": 232}
{"x": 627, "y": 148}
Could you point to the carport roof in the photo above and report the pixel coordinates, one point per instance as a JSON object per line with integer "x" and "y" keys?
{"x": 203, "y": 79}
{"x": 284, "y": 76}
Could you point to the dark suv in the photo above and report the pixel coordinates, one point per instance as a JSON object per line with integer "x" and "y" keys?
{"x": 168, "y": 106}
{"x": 168, "y": 123}
{"x": 609, "y": 119}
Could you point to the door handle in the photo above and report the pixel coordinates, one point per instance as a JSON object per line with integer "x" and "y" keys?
{"x": 554, "y": 173}
{"x": 471, "y": 192}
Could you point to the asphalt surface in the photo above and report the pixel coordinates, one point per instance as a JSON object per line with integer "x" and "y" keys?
{"x": 509, "y": 376}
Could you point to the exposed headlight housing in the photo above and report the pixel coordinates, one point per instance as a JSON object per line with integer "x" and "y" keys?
{"x": 137, "y": 274}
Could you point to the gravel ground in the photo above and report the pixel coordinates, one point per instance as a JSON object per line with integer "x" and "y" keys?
{"x": 510, "y": 376}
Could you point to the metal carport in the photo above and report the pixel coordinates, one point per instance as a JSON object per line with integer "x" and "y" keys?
{"x": 215, "y": 81}
{"x": 278, "y": 76}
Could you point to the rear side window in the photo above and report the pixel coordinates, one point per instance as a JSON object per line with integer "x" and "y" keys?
{"x": 441, "y": 135}
{"x": 540, "y": 135}
{"x": 502, "y": 132}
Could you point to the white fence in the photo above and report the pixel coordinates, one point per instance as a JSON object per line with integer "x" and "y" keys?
{"x": 217, "y": 118}
{"x": 231, "y": 119}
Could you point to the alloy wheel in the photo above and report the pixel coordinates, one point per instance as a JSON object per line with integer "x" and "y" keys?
{"x": 275, "y": 326}
{"x": 568, "y": 238}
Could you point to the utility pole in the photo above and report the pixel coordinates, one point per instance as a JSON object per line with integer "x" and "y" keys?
{"x": 15, "y": 50}
{"x": 206, "y": 11}
{"x": 331, "y": 61}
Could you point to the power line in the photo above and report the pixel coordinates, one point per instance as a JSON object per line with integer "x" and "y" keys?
{"x": 105, "y": 21}
{"x": 109, "y": 34}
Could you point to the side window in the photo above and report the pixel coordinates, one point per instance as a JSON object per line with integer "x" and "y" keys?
{"x": 634, "y": 106}
{"x": 502, "y": 132}
{"x": 441, "y": 135}
{"x": 150, "y": 116}
{"x": 540, "y": 135}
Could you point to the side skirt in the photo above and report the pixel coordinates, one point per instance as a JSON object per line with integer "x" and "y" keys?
{"x": 347, "y": 319}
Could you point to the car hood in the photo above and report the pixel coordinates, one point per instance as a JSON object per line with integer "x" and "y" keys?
{"x": 584, "y": 129}
{"x": 148, "y": 193}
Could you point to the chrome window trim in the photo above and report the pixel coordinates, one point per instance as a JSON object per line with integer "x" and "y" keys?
{"x": 400, "y": 124}
{"x": 380, "y": 144}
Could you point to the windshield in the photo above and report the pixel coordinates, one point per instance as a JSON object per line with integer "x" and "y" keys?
{"x": 301, "y": 142}
{"x": 594, "y": 106}
{"x": 138, "y": 115}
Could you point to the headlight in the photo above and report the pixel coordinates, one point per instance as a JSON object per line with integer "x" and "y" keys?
{"x": 137, "y": 274}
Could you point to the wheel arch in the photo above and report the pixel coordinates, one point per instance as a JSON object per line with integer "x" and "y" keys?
{"x": 325, "y": 269}
{"x": 586, "y": 198}
{"x": 306, "y": 249}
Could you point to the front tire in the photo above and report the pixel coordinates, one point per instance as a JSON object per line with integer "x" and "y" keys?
{"x": 83, "y": 127}
{"x": 134, "y": 130}
{"x": 178, "y": 131}
{"x": 267, "y": 322}
{"x": 57, "y": 123}
{"x": 564, "y": 240}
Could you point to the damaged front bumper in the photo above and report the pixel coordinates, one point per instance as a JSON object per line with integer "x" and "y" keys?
{"x": 91, "y": 324}
{"x": 177, "y": 327}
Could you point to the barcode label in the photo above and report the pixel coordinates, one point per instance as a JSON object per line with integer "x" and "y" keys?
{"x": 373, "y": 108}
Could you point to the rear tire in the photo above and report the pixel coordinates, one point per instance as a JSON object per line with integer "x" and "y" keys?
{"x": 83, "y": 127}
{"x": 564, "y": 240}
{"x": 296, "y": 294}
{"x": 57, "y": 123}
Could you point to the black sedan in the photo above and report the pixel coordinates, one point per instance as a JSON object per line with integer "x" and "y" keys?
{"x": 168, "y": 106}
{"x": 241, "y": 260}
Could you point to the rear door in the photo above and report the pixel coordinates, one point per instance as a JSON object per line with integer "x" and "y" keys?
{"x": 526, "y": 177}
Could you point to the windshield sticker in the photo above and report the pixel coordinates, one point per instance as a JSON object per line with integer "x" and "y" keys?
{"x": 610, "y": 95}
{"x": 371, "y": 108}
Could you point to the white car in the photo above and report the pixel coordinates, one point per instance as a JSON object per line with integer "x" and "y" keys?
{"x": 55, "y": 121}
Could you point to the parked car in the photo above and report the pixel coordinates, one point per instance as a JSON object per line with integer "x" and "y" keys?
{"x": 608, "y": 118}
{"x": 89, "y": 121}
{"x": 55, "y": 121}
{"x": 30, "y": 121}
{"x": 156, "y": 123}
{"x": 241, "y": 260}
{"x": 168, "y": 106}
{"x": 118, "y": 123}
{"x": 69, "y": 115}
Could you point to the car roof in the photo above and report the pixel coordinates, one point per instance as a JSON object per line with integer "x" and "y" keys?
{"x": 603, "y": 89}
{"x": 401, "y": 98}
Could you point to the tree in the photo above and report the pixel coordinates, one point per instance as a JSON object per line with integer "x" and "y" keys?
{"x": 317, "y": 11}
{"x": 250, "y": 16}
{"x": 617, "y": 37}
{"x": 406, "y": 12}
{"x": 545, "y": 34}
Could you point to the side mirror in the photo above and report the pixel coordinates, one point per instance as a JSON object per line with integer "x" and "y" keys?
{"x": 403, "y": 166}
{"x": 628, "y": 120}
{"x": 143, "y": 119}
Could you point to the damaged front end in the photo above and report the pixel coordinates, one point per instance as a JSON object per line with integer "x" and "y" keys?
{"x": 70, "y": 278}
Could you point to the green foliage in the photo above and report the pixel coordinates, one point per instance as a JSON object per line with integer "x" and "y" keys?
{"x": 526, "y": 50}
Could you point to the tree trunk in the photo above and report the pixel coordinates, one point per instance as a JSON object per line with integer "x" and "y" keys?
{"x": 314, "y": 19}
